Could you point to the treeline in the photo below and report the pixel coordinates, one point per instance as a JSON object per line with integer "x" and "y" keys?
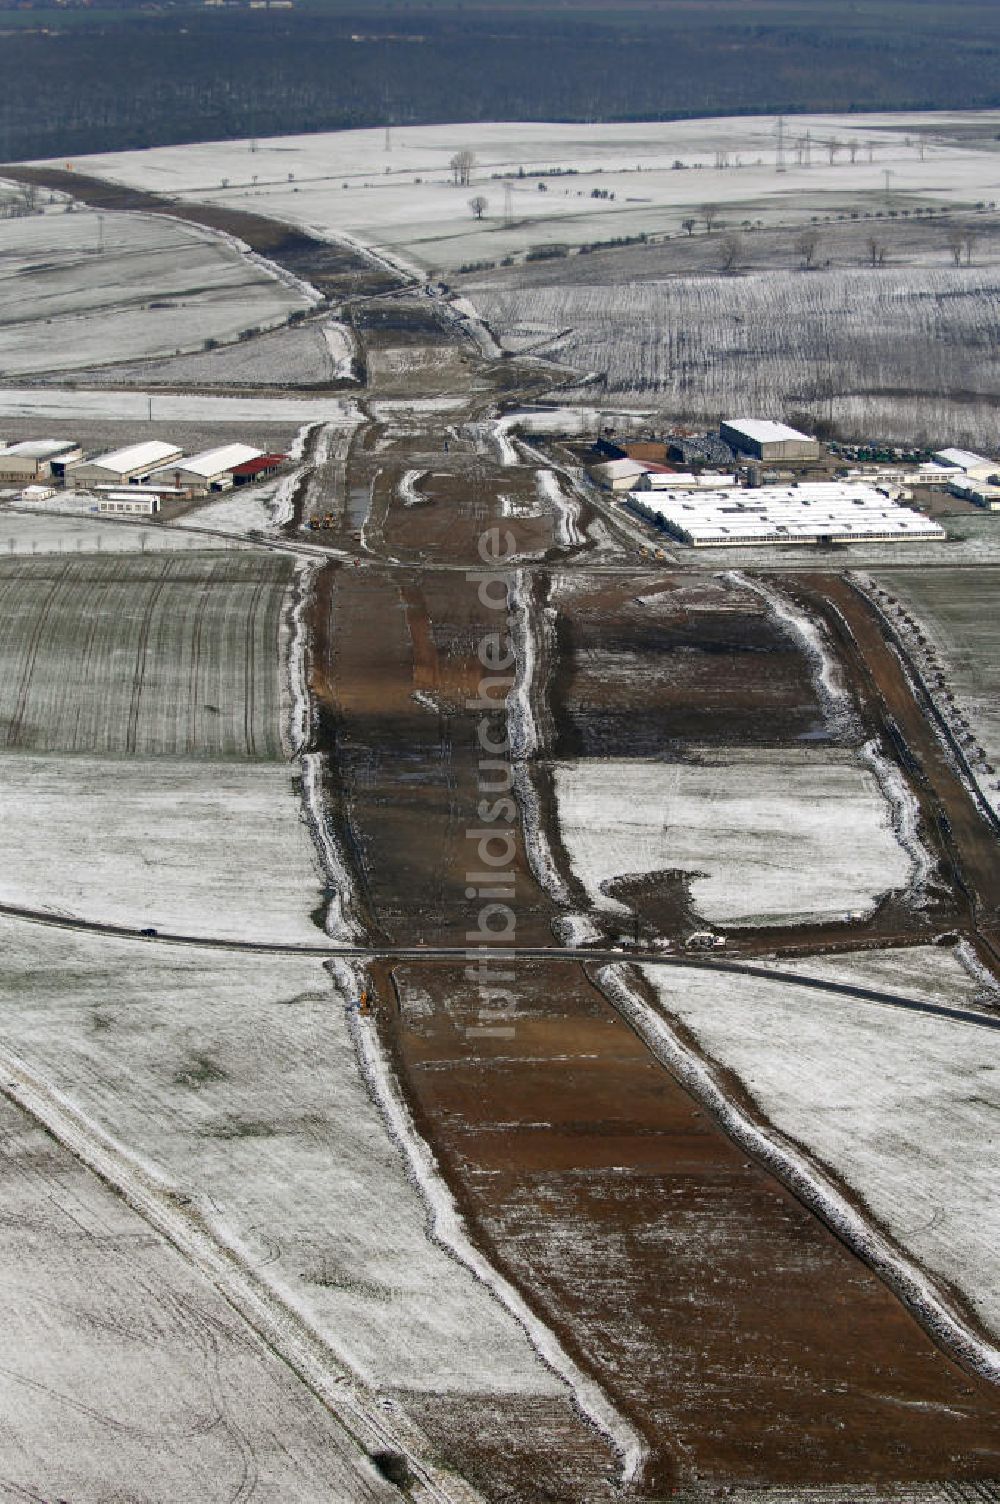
{"x": 116, "y": 81}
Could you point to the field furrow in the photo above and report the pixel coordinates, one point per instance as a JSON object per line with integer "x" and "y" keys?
{"x": 143, "y": 655}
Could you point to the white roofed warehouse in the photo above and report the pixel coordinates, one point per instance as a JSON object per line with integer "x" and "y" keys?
{"x": 822, "y": 512}
{"x": 123, "y": 467}
{"x": 975, "y": 466}
{"x": 764, "y": 440}
{"x": 211, "y": 470}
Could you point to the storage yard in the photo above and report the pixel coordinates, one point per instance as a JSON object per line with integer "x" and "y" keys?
{"x": 820, "y": 512}
{"x": 783, "y": 488}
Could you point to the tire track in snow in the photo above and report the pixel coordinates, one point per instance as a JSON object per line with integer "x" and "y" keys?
{"x": 220, "y": 1258}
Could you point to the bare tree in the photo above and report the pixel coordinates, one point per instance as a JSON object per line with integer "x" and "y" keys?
{"x": 961, "y": 242}
{"x": 461, "y": 166}
{"x": 806, "y": 247}
{"x": 479, "y": 205}
{"x": 877, "y": 250}
{"x": 833, "y": 149}
{"x": 854, "y": 146}
{"x": 710, "y": 214}
{"x": 688, "y": 225}
{"x": 730, "y": 250}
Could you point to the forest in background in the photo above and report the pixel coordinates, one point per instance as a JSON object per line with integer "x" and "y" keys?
{"x": 81, "y": 78}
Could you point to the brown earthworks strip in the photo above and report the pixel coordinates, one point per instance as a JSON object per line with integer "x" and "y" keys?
{"x": 953, "y": 824}
{"x": 724, "y": 1319}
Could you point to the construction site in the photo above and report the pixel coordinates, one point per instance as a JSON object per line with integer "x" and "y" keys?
{"x": 544, "y": 1015}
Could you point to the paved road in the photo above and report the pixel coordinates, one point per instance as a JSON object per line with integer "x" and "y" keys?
{"x": 329, "y": 949}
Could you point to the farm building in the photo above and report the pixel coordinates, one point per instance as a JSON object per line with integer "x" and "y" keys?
{"x": 823, "y": 512}
{"x": 211, "y": 470}
{"x": 684, "y": 480}
{"x": 930, "y": 473}
{"x": 975, "y": 466}
{"x": 123, "y": 467}
{"x": 36, "y": 493}
{"x": 764, "y": 440}
{"x": 980, "y": 492}
{"x": 34, "y": 458}
{"x": 133, "y": 502}
{"x": 258, "y": 469}
{"x": 146, "y": 489}
{"x": 617, "y": 475}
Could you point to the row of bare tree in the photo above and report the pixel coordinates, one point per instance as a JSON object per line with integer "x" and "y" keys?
{"x": 961, "y": 243}
{"x": 23, "y": 199}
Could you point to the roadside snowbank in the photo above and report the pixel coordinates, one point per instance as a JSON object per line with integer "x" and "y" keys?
{"x": 566, "y": 509}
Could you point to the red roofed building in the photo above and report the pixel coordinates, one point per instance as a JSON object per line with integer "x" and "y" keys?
{"x": 250, "y": 470}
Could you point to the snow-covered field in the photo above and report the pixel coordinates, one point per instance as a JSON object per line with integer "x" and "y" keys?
{"x": 89, "y": 289}
{"x": 901, "y": 1106}
{"x": 236, "y": 1077}
{"x": 31, "y": 532}
{"x": 949, "y": 621}
{"x": 770, "y": 341}
{"x": 121, "y": 1362}
{"x": 931, "y": 973}
{"x": 135, "y": 407}
{"x": 405, "y": 203}
{"x": 250, "y": 509}
{"x": 773, "y": 837}
{"x": 194, "y": 847}
{"x": 165, "y": 654}
{"x": 293, "y": 356}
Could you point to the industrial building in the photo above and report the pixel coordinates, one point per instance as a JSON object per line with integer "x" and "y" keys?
{"x": 767, "y": 441}
{"x": 258, "y": 469}
{"x": 34, "y": 458}
{"x": 810, "y": 513}
{"x": 979, "y": 492}
{"x": 211, "y": 470}
{"x": 684, "y": 480}
{"x": 136, "y": 501}
{"x": 618, "y": 475}
{"x": 975, "y": 466}
{"x": 930, "y": 473}
{"x": 123, "y": 467}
